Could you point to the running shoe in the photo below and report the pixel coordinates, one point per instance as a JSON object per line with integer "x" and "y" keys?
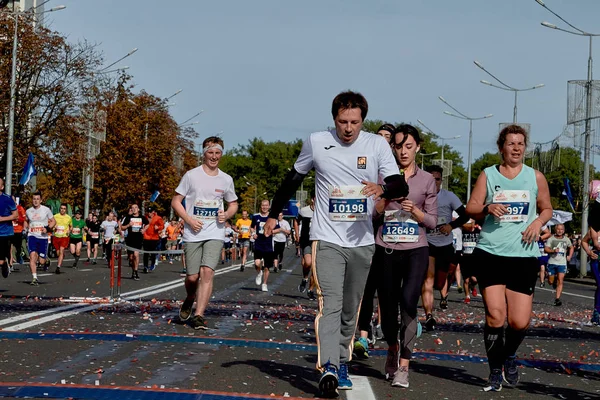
{"x": 419, "y": 329}
{"x": 280, "y": 266}
{"x": 302, "y": 285}
{"x": 595, "y": 318}
{"x": 557, "y": 302}
{"x": 151, "y": 268}
{"x": 185, "y": 311}
{"x": 459, "y": 289}
{"x": 542, "y": 284}
{"x": 344, "y": 382}
{"x": 430, "y": 323}
{"x": 135, "y": 276}
{"x": 35, "y": 282}
{"x": 401, "y": 377}
{"x": 242, "y": 268}
{"x": 378, "y": 332}
{"x": 94, "y": 262}
{"x": 467, "y": 300}
{"x": 391, "y": 363}
{"x": 145, "y": 270}
{"x": 57, "y": 271}
{"x": 275, "y": 269}
{"x": 494, "y": 383}
{"x": 198, "y": 322}
{"x": 444, "y": 303}
{"x": 328, "y": 383}
{"x": 311, "y": 295}
{"x": 474, "y": 291}
{"x": 511, "y": 371}
{"x": 5, "y": 270}
{"x": 264, "y": 287}
{"x": 258, "y": 279}
{"x": 361, "y": 349}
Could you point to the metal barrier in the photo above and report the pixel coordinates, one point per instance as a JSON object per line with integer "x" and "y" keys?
{"x": 116, "y": 253}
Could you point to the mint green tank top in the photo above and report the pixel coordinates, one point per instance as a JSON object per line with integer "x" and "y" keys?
{"x": 502, "y": 237}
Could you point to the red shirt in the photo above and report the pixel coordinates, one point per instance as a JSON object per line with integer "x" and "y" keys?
{"x": 155, "y": 226}
{"x": 19, "y": 223}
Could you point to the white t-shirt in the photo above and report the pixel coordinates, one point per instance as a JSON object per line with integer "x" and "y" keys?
{"x": 282, "y": 237}
{"x": 342, "y": 167}
{"x": 204, "y": 195}
{"x": 109, "y": 228}
{"x": 38, "y": 219}
{"x": 447, "y": 202}
{"x": 228, "y": 235}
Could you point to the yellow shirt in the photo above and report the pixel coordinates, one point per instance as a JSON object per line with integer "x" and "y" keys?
{"x": 243, "y": 226}
{"x": 63, "y": 222}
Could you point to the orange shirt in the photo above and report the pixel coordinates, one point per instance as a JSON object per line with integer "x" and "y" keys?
{"x": 172, "y": 232}
{"x": 155, "y": 225}
{"x": 18, "y": 223}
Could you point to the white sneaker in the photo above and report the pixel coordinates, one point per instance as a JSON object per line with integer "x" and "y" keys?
{"x": 258, "y": 279}
{"x": 263, "y": 287}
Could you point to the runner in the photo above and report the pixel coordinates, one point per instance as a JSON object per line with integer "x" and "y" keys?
{"x": 226, "y": 251}
{"x": 557, "y": 246}
{"x": 151, "y": 234}
{"x": 280, "y": 241}
{"x": 93, "y": 237}
{"x": 17, "y": 239}
{"x": 109, "y": 227}
{"x": 441, "y": 251}
{"x": 204, "y": 189}
{"x": 470, "y": 238}
{"x": 172, "y": 235}
{"x": 401, "y": 254}
{"x": 506, "y": 197}
{"x": 62, "y": 230}
{"x": 40, "y": 222}
{"x": 242, "y": 226}
{"x": 76, "y": 237}
{"x": 134, "y": 223}
{"x": 543, "y": 258}
{"x": 593, "y": 254}
{"x": 8, "y": 214}
{"x": 264, "y": 254}
{"x": 348, "y": 163}
{"x": 302, "y": 224}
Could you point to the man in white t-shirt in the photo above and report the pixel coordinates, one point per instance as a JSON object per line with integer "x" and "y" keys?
{"x": 280, "y": 240}
{"x": 39, "y": 221}
{"x": 204, "y": 190}
{"x": 348, "y": 163}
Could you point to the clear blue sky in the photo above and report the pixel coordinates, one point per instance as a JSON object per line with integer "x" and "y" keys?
{"x": 270, "y": 68}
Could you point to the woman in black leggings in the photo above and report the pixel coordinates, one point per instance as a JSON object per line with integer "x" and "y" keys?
{"x": 402, "y": 253}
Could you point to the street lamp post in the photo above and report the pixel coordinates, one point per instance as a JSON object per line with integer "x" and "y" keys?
{"x": 587, "y": 135}
{"x": 443, "y": 139}
{"x": 13, "y": 88}
{"x": 423, "y": 155}
{"x": 506, "y": 87}
{"x": 250, "y": 183}
{"x": 470, "y": 119}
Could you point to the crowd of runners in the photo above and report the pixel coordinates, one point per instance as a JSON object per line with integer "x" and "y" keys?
{"x": 379, "y": 232}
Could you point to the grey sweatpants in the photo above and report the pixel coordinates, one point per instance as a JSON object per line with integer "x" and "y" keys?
{"x": 340, "y": 275}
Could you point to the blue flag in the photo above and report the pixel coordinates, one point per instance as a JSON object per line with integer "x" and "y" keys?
{"x": 154, "y": 196}
{"x": 567, "y": 192}
{"x": 28, "y": 171}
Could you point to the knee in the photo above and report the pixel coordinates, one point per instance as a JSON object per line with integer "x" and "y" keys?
{"x": 206, "y": 273}
{"x": 495, "y": 317}
{"x": 518, "y": 325}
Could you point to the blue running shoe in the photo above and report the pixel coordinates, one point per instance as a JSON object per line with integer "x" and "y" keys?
{"x": 361, "y": 349}
{"x": 344, "y": 382}
{"x": 419, "y": 329}
{"x": 511, "y": 371}
{"x": 494, "y": 383}
{"x": 329, "y": 382}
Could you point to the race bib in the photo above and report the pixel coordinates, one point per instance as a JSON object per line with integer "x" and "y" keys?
{"x": 469, "y": 242}
{"x": 94, "y": 235}
{"x": 517, "y": 203}
{"x": 399, "y": 227}
{"x": 261, "y": 228}
{"x": 347, "y": 204}
{"x": 207, "y": 209}
{"x": 542, "y": 252}
{"x": 37, "y": 227}
{"x": 76, "y": 231}
{"x": 441, "y": 221}
{"x": 136, "y": 224}
{"x": 245, "y": 229}
{"x": 60, "y": 230}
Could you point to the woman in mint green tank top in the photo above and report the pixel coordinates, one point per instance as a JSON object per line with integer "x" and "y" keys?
{"x": 507, "y": 198}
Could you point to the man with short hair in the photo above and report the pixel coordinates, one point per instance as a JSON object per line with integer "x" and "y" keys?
{"x": 204, "y": 189}
{"x": 8, "y": 214}
{"x": 62, "y": 230}
{"x": 40, "y": 222}
{"x": 242, "y": 226}
{"x": 348, "y": 163}
{"x": 152, "y": 238}
{"x": 109, "y": 227}
{"x": 264, "y": 253}
{"x": 76, "y": 237}
{"x": 134, "y": 223}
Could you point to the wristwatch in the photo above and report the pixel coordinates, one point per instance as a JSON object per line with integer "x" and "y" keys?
{"x": 486, "y": 209}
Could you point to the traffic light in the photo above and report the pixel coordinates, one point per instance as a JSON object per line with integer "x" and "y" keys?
{"x": 3, "y": 3}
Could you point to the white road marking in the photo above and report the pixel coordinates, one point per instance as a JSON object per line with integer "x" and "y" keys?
{"x": 567, "y": 293}
{"x": 361, "y": 389}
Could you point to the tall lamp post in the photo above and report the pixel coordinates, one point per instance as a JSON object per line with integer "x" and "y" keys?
{"x": 587, "y": 135}
{"x": 442, "y": 139}
{"x": 13, "y": 88}
{"x": 252, "y": 184}
{"x": 470, "y": 119}
{"x": 506, "y": 87}
{"x": 423, "y": 155}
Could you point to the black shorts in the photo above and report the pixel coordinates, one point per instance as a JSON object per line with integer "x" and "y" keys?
{"x": 444, "y": 256}
{"x": 457, "y": 257}
{"x": 467, "y": 265}
{"x": 75, "y": 241}
{"x": 226, "y": 245}
{"x": 136, "y": 243}
{"x": 93, "y": 242}
{"x": 518, "y": 274}
{"x": 267, "y": 256}
{"x": 5, "y": 247}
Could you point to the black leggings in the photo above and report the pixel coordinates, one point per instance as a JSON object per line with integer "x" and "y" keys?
{"x": 150, "y": 245}
{"x": 366, "y": 306}
{"x": 402, "y": 276}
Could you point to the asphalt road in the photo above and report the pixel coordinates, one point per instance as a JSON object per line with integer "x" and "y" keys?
{"x": 65, "y": 339}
